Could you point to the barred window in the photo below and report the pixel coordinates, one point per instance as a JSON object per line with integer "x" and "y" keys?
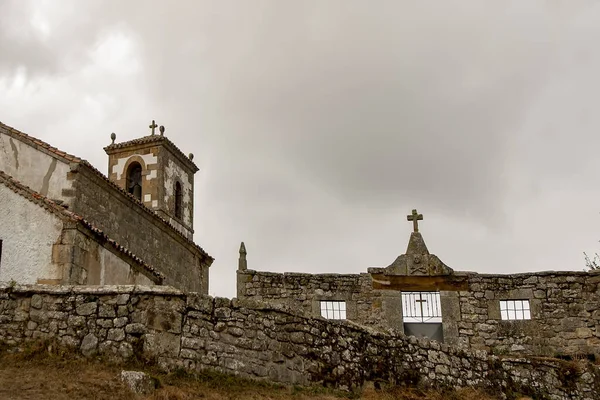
{"x": 421, "y": 307}
{"x": 515, "y": 309}
{"x": 333, "y": 309}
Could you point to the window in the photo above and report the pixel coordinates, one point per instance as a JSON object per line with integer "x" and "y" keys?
{"x": 178, "y": 200}
{"x": 421, "y": 307}
{"x": 0, "y": 251}
{"x": 333, "y": 309}
{"x": 514, "y": 309}
{"x": 134, "y": 180}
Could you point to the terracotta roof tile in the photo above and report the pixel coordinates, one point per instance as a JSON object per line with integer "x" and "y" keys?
{"x": 59, "y": 210}
{"x": 73, "y": 159}
{"x": 37, "y": 142}
{"x": 93, "y": 169}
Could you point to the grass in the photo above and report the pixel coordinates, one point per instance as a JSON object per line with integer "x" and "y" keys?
{"x": 45, "y": 371}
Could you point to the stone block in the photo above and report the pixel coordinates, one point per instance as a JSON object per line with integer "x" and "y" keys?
{"x": 87, "y": 309}
{"x": 139, "y": 382}
{"x": 89, "y": 345}
{"x": 161, "y": 344}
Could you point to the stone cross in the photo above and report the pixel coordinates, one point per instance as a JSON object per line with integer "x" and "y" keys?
{"x": 414, "y": 217}
{"x": 153, "y": 126}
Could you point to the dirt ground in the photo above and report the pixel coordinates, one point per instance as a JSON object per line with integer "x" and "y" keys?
{"x": 41, "y": 375}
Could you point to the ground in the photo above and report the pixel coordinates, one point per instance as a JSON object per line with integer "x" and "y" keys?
{"x": 37, "y": 373}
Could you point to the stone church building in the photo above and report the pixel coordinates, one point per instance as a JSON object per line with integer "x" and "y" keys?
{"x": 543, "y": 313}
{"x": 64, "y": 222}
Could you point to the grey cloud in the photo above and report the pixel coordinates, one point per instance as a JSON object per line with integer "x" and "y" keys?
{"x": 318, "y": 125}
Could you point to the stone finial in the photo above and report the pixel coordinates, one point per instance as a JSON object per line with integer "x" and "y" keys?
{"x": 162, "y": 130}
{"x": 113, "y": 137}
{"x": 242, "y": 262}
{"x": 191, "y": 157}
{"x": 415, "y": 217}
{"x": 153, "y": 126}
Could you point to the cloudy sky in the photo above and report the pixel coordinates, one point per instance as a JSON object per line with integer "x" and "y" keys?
{"x": 319, "y": 125}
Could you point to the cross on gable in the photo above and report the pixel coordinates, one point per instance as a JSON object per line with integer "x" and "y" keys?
{"x": 153, "y": 126}
{"x": 414, "y": 217}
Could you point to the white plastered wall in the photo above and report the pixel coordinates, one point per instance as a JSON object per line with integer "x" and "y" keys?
{"x": 28, "y": 232}
{"x": 34, "y": 168}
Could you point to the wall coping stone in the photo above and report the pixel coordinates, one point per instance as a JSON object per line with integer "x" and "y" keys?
{"x": 105, "y": 290}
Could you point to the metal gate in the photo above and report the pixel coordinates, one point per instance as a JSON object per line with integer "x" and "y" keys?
{"x": 422, "y": 314}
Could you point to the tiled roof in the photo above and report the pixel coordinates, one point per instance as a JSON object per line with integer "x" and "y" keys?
{"x": 153, "y": 139}
{"x": 57, "y": 209}
{"x": 38, "y": 143}
{"x": 93, "y": 169}
{"x": 73, "y": 159}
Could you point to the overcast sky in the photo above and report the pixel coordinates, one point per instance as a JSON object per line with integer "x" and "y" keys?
{"x": 319, "y": 125}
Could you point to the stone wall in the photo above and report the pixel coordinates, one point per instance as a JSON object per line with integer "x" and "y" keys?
{"x": 304, "y": 292}
{"x": 565, "y": 313}
{"x": 183, "y": 263}
{"x": 565, "y": 306}
{"x": 261, "y": 341}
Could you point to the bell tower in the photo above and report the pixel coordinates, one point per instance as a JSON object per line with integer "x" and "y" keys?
{"x": 159, "y": 175}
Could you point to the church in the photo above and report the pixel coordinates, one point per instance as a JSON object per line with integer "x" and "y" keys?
{"x": 64, "y": 222}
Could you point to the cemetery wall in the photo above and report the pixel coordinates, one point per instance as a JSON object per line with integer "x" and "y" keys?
{"x": 265, "y": 341}
{"x": 304, "y": 292}
{"x": 564, "y": 307}
{"x": 565, "y": 313}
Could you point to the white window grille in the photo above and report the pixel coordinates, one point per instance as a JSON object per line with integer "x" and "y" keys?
{"x": 515, "y": 309}
{"x": 333, "y": 309}
{"x": 421, "y": 307}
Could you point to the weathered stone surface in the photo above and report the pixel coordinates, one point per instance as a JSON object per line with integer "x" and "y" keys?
{"x": 89, "y": 345}
{"x": 563, "y": 305}
{"x": 87, "y": 309}
{"x": 36, "y": 301}
{"x": 138, "y": 382}
{"x": 264, "y": 341}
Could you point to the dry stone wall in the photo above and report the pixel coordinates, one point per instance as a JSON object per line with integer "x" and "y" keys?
{"x": 262, "y": 341}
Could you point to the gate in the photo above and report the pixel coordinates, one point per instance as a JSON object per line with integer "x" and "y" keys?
{"x": 422, "y": 314}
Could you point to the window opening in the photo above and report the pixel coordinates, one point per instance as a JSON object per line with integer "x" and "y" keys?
{"x": 515, "y": 310}
{"x": 0, "y": 251}
{"x": 333, "y": 309}
{"x": 178, "y": 199}
{"x": 421, "y": 307}
{"x": 134, "y": 180}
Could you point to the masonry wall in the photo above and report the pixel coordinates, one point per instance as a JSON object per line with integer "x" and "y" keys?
{"x": 86, "y": 261}
{"x": 304, "y": 292}
{"x": 141, "y": 232}
{"x": 565, "y": 307}
{"x": 118, "y": 166}
{"x": 565, "y": 313}
{"x": 175, "y": 172}
{"x": 268, "y": 342}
